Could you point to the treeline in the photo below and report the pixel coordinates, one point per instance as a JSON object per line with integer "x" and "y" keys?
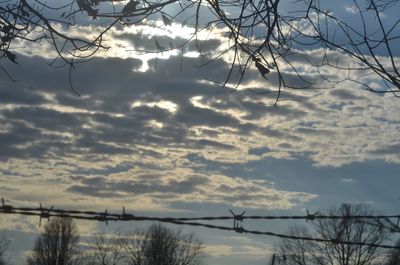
{"x": 345, "y": 240}
{"x": 59, "y": 244}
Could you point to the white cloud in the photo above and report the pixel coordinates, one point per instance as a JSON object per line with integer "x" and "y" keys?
{"x": 349, "y": 180}
{"x": 351, "y": 9}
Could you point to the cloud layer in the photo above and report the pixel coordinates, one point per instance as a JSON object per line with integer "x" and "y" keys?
{"x": 132, "y": 133}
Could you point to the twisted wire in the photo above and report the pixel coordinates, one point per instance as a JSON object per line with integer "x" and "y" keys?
{"x": 46, "y": 213}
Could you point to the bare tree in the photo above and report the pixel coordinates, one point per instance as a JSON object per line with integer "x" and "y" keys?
{"x": 108, "y": 249}
{"x": 291, "y": 252}
{"x": 58, "y": 244}
{"x": 337, "y": 231}
{"x": 158, "y": 245}
{"x": 365, "y": 43}
{"x": 260, "y": 34}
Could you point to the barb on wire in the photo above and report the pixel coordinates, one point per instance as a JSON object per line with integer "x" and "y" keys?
{"x": 238, "y": 221}
{"x": 46, "y": 213}
{"x": 125, "y": 216}
{"x": 241, "y": 217}
{"x": 310, "y": 216}
{"x": 6, "y": 208}
{"x": 103, "y": 217}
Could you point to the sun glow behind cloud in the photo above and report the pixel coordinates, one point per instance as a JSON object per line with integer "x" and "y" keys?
{"x": 163, "y": 104}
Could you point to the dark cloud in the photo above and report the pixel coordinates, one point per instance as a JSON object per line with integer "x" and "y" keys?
{"x": 107, "y": 149}
{"x": 17, "y": 136}
{"x": 313, "y": 131}
{"x": 387, "y": 150}
{"x": 344, "y": 95}
{"x": 204, "y": 46}
{"x": 146, "y": 43}
{"x": 109, "y": 87}
{"x": 80, "y": 172}
{"x": 285, "y": 146}
{"x": 12, "y": 93}
{"x": 215, "y": 144}
{"x": 280, "y": 134}
{"x": 45, "y": 118}
{"x": 259, "y": 151}
{"x": 121, "y": 110}
{"x": 142, "y": 185}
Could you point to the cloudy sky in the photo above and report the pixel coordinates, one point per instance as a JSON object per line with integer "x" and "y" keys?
{"x": 162, "y": 140}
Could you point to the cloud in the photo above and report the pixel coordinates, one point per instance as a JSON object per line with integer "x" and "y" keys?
{"x": 188, "y": 187}
{"x": 351, "y": 9}
{"x": 131, "y": 133}
{"x": 218, "y": 111}
{"x": 349, "y": 180}
{"x": 154, "y": 136}
{"x": 14, "y": 94}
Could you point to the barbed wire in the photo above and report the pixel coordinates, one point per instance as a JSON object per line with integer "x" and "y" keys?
{"x": 46, "y": 213}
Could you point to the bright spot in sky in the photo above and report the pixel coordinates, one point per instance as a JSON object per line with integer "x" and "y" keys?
{"x": 156, "y": 124}
{"x": 162, "y": 104}
{"x": 196, "y": 101}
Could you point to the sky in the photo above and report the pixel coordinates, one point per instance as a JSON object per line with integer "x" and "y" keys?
{"x": 150, "y": 132}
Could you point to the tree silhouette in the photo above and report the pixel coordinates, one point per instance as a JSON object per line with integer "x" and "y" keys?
{"x": 299, "y": 252}
{"x": 267, "y": 35}
{"x": 58, "y": 244}
{"x": 158, "y": 245}
{"x": 108, "y": 250}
